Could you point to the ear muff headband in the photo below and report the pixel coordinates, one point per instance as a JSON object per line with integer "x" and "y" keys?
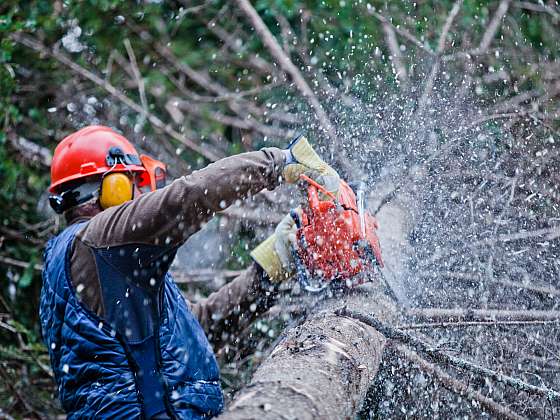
{"x": 116, "y": 188}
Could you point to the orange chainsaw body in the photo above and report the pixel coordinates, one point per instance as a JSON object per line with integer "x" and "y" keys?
{"x": 331, "y": 242}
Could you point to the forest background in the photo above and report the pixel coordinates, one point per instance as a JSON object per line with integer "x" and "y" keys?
{"x": 453, "y": 104}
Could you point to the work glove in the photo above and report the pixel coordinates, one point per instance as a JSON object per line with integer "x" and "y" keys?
{"x": 302, "y": 159}
{"x": 275, "y": 254}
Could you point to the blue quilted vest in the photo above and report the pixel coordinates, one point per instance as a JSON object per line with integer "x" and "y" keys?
{"x": 101, "y": 370}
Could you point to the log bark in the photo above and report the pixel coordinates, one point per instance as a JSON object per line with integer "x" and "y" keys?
{"x": 321, "y": 368}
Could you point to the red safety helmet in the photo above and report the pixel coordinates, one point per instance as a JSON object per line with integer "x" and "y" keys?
{"x": 93, "y": 150}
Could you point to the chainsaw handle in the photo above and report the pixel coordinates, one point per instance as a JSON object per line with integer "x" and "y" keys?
{"x": 295, "y": 215}
{"x": 316, "y": 187}
{"x": 313, "y": 198}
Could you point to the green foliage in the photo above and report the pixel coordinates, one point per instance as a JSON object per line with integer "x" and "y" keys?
{"x": 241, "y": 249}
{"x": 344, "y": 42}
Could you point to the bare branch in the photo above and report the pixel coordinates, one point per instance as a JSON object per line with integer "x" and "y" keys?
{"x": 289, "y": 67}
{"x": 20, "y": 264}
{"x": 492, "y": 117}
{"x": 430, "y": 81}
{"x": 201, "y": 276}
{"x": 401, "y": 31}
{"x": 137, "y": 76}
{"x": 289, "y": 38}
{"x": 447, "y": 26}
{"x": 468, "y": 324}
{"x": 457, "y": 386}
{"x": 539, "y": 8}
{"x": 117, "y": 94}
{"x": 450, "y": 315}
{"x": 493, "y": 26}
{"x": 396, "y": 56}
{"x": 15, "y": 234}
{"x": 549, "y": 233}
{"x": 30, "y": 150}
{"x": 469, "y": 54}
{"x": 543, "y": 290}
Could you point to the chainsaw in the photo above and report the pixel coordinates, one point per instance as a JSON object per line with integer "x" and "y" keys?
{"x": 336, "y": 240}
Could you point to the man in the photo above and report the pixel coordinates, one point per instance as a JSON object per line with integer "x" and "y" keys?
{"x": 122, "y": 340}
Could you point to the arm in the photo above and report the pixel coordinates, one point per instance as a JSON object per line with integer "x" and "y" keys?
{"x": 167, "y": 217}
{"x": 234, "y": 306}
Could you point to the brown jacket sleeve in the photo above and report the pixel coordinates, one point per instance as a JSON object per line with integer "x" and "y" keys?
{"x": 169, "y": 216}
{"x": 234, "y": 306}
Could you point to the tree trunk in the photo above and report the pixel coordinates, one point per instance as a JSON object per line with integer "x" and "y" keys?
{"x": 321, "y": 368}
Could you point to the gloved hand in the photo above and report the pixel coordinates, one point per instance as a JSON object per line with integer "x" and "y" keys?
{"x": 302, "y": 159}
{"x": 275, "y": 254}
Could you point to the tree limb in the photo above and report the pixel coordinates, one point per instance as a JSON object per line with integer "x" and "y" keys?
{"x": 429, "y": 85}
{"x": 401, "y": 31}
{"x": 20, "y": 264}
{"x": 468, "y": 324}
{"x": 289, "y": 67}
{"x": 493, "y": 26}
{"x": 201, "y": 276}
{"x": 137, "y": 76}
{"x": 30, "y": 151}
{"x": 396, "y": 56}
{"x": 449, "y": 315}
{"x": 117, "y": 94}
{"x": 439, "y": 356}
{"x": 457, "y": 386}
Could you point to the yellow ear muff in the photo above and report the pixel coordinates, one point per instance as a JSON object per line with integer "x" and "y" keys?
{"x": 116, "y": 188}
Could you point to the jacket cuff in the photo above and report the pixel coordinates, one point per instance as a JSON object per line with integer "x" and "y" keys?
{"x": 265, "y": 289}
{"x": 278, "y": 158}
